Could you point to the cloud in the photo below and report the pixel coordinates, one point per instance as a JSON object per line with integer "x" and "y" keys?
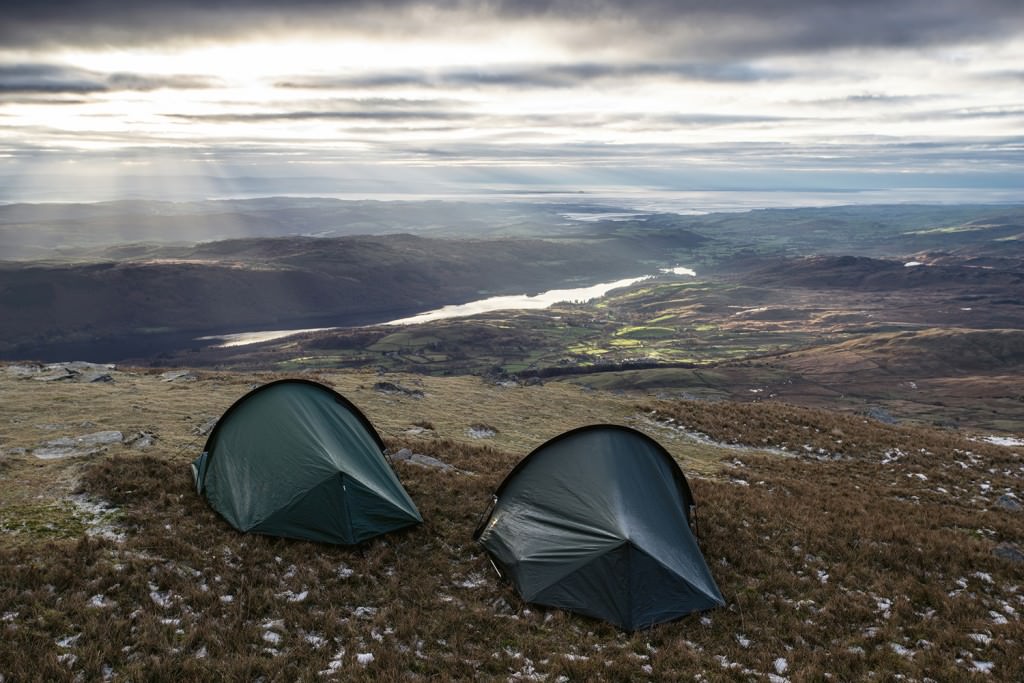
{"x": 53, "y": 79}
{"x": 48, "y": 79}
{"x": 681, "y": 27}
{"x": 543, "y": 75}
{"x": 349, "y": 115}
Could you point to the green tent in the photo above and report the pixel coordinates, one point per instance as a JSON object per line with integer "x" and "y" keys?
{"x": 596, "y": 521}
{"x": 294, "y": 458}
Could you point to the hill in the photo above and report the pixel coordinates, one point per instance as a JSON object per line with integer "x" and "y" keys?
{"x": 846, "y": 548}
{"x": 161, "y": 298}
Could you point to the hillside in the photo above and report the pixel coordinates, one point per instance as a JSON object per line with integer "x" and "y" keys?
{"x": 161, "y": 298}
{"x": 846, "y": 548}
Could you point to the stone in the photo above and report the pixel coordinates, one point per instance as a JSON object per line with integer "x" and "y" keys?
{"x": 1009, "y": 502}
{"x": 1009, "y": 551}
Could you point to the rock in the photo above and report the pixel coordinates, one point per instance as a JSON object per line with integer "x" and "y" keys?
{"x": 481, "y": 431}
{"x": 1009, "y": 502}
{"x": 141, "y": 440}
{"x": 206, "y": 427}
{"x": 429, "y": 461}
{"x": 420, "y": 460}
{"x": 67, "y": 447}
{"x": 880, "y": 415}
{"x": 1009, "y": 551}
{"x": 179, "y": 376}
{"x": 100, "y": 438}
{"x": 55, "y": 374}
{"x": 392, "y": 388}
{"x": 23, "y": 371}
{"x": 91, "y": 377}
{"x": 401, "y": 455}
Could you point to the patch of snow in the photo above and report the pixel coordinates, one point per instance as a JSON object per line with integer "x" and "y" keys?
{"x": 364, "y": 612}
{"x": 68, "y": 659}
{"x": 315, "y": 639}
{"x": 472, "y": 581}
{"x": 344, "y": 571}
{"x": 100, "y": 600}
{"x": 272, "y": 637}
{"x": 744, "y": 641}
{"x": 998, "y": 618}
{"x": 1003, "y": 440}
{"x": 291, "y": 596}
{"x": 983, "y": 667}
{"x": 68, "y": 641}
{"x": 982, "y": 638}
{"x": 160, "y": 598}
{"x": 912, "y": 264}
{"x": 336, "y": 663}
{"x": 364, "y": 658}
{"x": 227, "y": 599}
{"x": 900, "y": 650}
{"x": 987, "y": 578}
{"x": 780, "y": 665}
{"x": 202, "y": 653}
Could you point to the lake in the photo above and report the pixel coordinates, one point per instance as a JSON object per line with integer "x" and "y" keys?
{"x": 511, "y": 302}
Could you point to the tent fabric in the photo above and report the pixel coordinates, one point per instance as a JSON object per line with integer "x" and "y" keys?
{"x": 294, "y": 458}
{"x": 596, "y": 521}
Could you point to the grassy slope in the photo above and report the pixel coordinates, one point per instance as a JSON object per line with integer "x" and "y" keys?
{"x": 868, "y": 553}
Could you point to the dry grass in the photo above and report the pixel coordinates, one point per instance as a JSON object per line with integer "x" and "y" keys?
{"x": 879, "y": 564}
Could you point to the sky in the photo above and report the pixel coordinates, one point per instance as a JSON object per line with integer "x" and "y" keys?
{"x": 183, "y": 98}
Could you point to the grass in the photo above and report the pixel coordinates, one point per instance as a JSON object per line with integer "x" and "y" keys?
{"x": 866, "y": 552}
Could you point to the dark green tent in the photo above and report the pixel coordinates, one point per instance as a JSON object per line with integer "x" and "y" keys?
{"x": 596, "y": 521}
{"x": 295, "y": 458}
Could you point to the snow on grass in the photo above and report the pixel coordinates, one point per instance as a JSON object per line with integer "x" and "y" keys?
{"x": 337, "y": 661}
{"x": 160, "y": 598}
{"x": 291, "y": 596}
{"x": 780, "y": 665}
{"x": 983, "y": 667}
{"x": 1003, "y": 440}
{"x": 472, "y": 581}
{"x": 901, "y": 650}
{"x": 364, "y": 658}
{"x": 982, "y": 638}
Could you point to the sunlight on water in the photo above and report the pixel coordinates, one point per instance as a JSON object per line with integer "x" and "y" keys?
{"x": 494, "y": 303}
{"x": 519, "y": 302}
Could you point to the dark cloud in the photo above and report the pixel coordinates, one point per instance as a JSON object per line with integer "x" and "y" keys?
{"x": 53, "y": 79}
{"x": 543, "y": 76}
{"x": 48, "y": 79}
{"x": 691, "y": 27}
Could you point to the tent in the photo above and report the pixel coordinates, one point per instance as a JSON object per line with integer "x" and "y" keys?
{"x": 295, "y": 458}
{"x": 596, "y": 521}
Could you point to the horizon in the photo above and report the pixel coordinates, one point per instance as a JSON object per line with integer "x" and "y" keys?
{"x": 180, "y": 101}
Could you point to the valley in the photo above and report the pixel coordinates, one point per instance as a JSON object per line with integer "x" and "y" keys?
{"x": 902, "y": 312}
